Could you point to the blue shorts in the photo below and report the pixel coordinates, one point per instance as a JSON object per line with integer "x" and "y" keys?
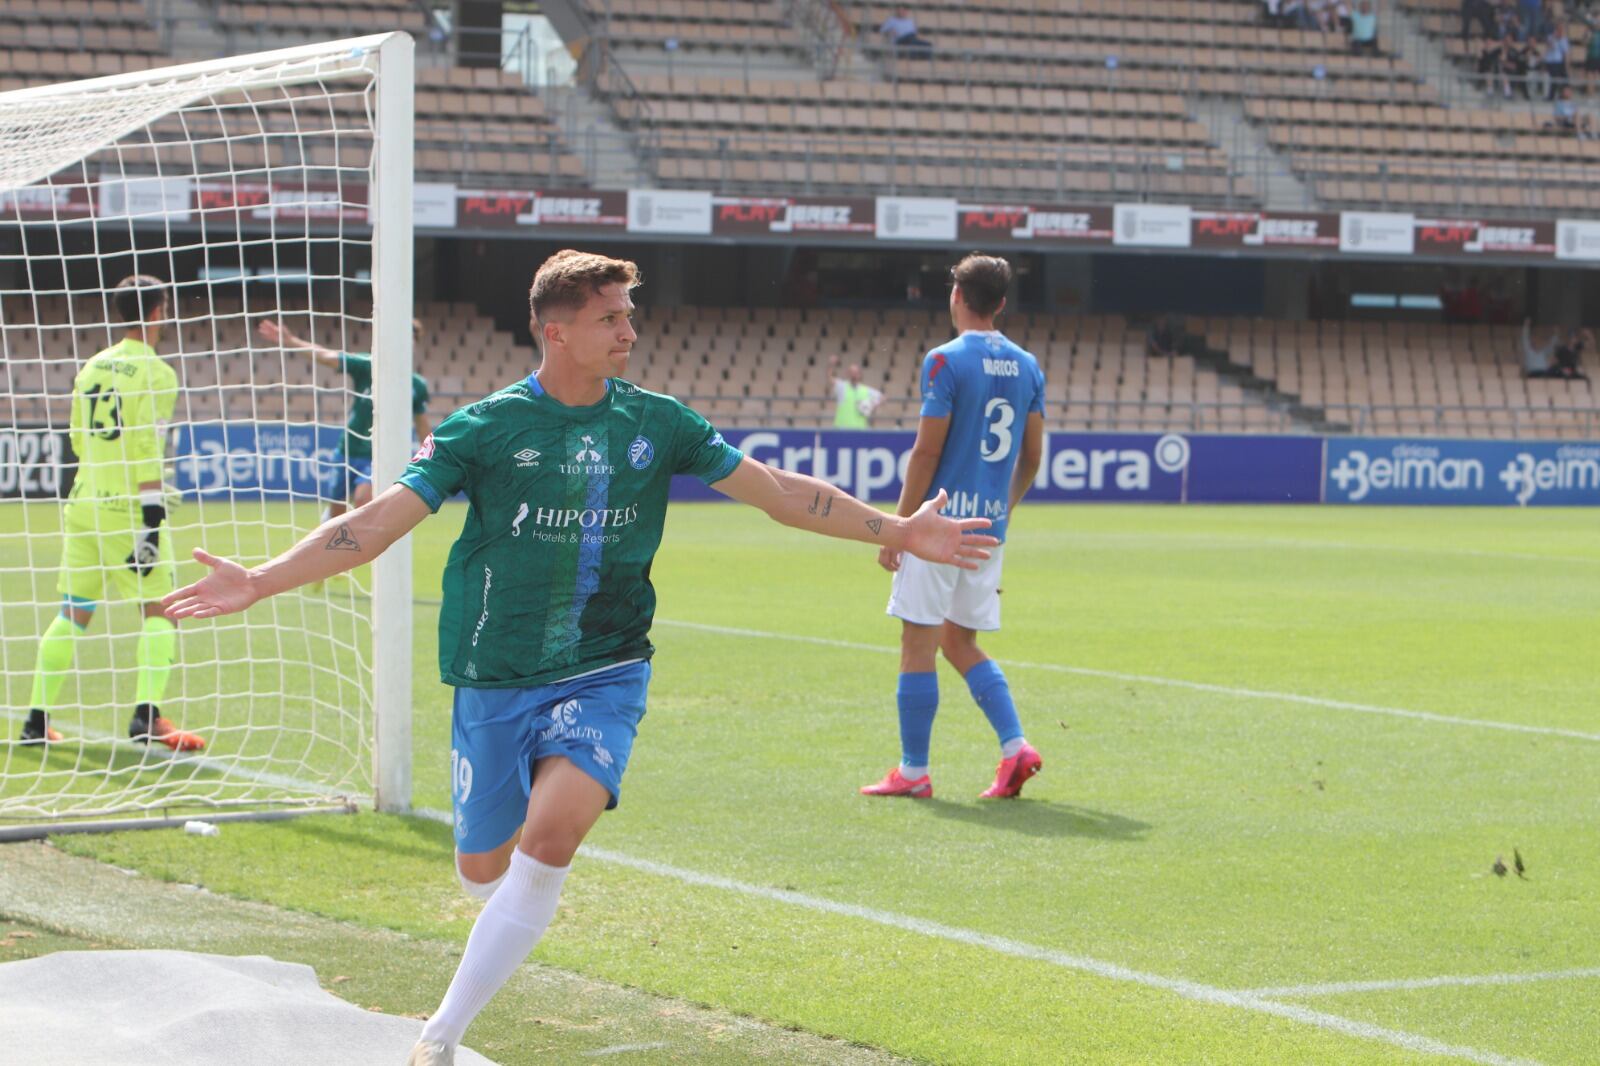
{"x": 341, "y": 477}
{"x": 497, "y": 734}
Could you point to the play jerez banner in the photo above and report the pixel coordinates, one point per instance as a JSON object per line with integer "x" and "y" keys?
{"x": 283, "y": 461}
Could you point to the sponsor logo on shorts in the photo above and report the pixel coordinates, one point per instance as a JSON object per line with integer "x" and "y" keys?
{"x": 602, "y": 756}
{"x": 564, "y": 725}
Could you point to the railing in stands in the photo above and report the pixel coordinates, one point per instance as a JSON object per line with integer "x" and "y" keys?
{"x": 1445, "y": 420}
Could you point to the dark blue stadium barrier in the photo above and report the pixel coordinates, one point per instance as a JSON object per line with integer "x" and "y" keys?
{"x": 1392, "y": 470}
{"x": 1109, "y": 467}
{"x": 281, "y": 461}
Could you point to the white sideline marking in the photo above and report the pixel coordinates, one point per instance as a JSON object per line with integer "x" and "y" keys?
{"x": 1335, "y": 988}
{"x": 1169, "y": 682}
{"x": 623, "y": 1049}
{"x": 1017, "y": 949}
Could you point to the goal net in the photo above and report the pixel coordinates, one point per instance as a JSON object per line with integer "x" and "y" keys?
{"x": 266, "y": 189}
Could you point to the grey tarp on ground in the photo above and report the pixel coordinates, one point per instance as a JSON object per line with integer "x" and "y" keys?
{"x": 180, "y": 1008}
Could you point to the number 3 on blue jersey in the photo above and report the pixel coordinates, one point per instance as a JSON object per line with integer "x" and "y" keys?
{"x": 999, "y": 415}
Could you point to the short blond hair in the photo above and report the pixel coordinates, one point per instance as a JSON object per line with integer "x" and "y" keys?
{"x": 567, "y": 279}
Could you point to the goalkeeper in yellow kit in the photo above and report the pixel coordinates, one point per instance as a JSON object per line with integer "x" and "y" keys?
{"x": 116, "y": 544}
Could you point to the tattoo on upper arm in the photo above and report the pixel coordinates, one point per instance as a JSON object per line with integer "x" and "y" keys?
{"x": 876, "y": 525}
{"x": 343, "y": 540}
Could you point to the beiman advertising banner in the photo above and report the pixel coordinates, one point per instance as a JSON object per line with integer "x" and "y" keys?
{"x": 1395, "y": 470}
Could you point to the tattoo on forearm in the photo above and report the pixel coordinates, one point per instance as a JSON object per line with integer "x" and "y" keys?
{"x": 876, "y": 525}
{"x": 814, "y": 501}
{"x": 343, "y": 540}
{"x": 827, "y": 507}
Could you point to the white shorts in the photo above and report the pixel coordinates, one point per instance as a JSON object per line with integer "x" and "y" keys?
{"x": 929, "y": 594}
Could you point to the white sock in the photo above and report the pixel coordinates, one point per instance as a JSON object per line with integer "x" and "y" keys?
{"x": 511, "y": 924}
{"x": 1011, "y": 747}
{"x": 913, "y": 773}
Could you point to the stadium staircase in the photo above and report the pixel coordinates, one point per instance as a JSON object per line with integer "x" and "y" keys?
{"x": 1257, "y": 389}
{"x": 1224, "y": 119}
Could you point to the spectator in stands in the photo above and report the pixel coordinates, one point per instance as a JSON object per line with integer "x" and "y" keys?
{"x": 1478, "y": 13}
{"x": 1515, "y": 62}
{"x": 1557, "y": 50}
{"x": 1272, "y": 13}
{"x": 1162, "y": 340}
{"x": 1538, "y": 361}
{"x": 1491, "y": 66}
{"x": 1591, "y": 64}
{"x": 856, "y": 401}
{"x": 1567, "y": 116}
{"x": 1293, "y": 15}
{"x": 900, "y": 30}
{"x": 1364, "y": 28}
{"x": 1568, "y": 355}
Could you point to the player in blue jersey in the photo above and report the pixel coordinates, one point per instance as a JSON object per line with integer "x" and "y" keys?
{"x": 980, "y": 439}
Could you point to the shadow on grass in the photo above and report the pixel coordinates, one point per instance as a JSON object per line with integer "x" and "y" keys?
{"x": 81, "y": 768}
{"x": 417, "y": 838}
{"x": 1038, "y": 818}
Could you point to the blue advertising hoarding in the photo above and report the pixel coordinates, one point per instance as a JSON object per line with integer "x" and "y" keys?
{"x": 273, "y": 459}
{"x": 1394, "y": 470}
{"x": 1108, "y": 467}
{"x": 278, "y": 460}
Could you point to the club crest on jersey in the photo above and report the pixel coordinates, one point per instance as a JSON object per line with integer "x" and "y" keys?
{"x": 527, "y": 457}
{"x": 641, "y": 453}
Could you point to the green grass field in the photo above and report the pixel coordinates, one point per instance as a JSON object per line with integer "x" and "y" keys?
{"x": 1283, "y": 748}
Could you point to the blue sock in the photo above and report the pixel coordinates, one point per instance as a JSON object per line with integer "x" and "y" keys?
{"x": 918, "y": 697}
{"x": 990, "y": 691}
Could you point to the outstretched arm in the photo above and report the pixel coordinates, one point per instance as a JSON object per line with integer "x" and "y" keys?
{"x": 337, "y": 545}
{"x": 812, "y": 504}
{"x": 273, "y": 333}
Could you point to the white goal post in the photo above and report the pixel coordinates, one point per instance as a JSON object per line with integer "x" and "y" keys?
{"x": 265, "y": 191}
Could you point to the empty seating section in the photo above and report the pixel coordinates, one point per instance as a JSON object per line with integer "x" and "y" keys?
{"x": 767, "y": 367}
{"x": 1410, "y": 378}
{"x": 1421, "y": 155}
{"x": 474, "y": 125}
{"x": 805, "y": 135}
{"x": 700, "y": 23}
{"x": 319, "y": 19}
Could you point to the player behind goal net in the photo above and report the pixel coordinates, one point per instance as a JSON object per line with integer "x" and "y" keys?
{"x": 196, "y": 264}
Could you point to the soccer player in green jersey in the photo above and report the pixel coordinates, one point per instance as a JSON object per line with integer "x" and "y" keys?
{"x": 544, "y": 630}
{"x": 350, "y": 481}
{"x": 116, "y": 516}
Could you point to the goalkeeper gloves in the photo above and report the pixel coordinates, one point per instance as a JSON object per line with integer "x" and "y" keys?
{"x": 147, "y": 541}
